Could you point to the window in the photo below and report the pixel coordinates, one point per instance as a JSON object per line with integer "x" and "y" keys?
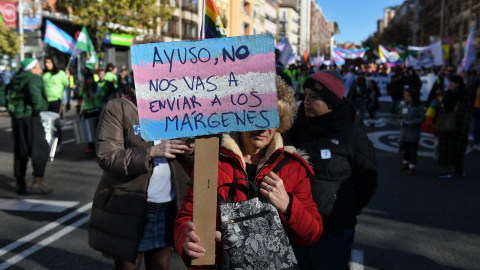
{"x": 189, "y": 30}
{"x": 190, "y": 5}
{"x": 171, "y": 28}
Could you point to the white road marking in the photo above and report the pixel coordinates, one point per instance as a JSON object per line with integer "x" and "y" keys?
{"x": 36, "y": 205}
{"x": 392, "y": 137}
{"x": 45, "y": 242}
{"x": 356, "y": 260}
{"x": 69, "y": 141}
{"x": 44, "y": 229}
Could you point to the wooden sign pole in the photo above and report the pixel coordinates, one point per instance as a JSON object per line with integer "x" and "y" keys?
{"x": 205, "y": 195}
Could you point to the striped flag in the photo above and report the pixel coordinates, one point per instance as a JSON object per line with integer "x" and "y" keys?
{"x": 469, "y": 51}
{"x": 58, "y": 39}
{"x": 292, "y": 59}
{"x": 85, "y": 44}
{"x": 391, "y": 58}
{"x": 212, "y": 26}
{"x": 286, "y": 49}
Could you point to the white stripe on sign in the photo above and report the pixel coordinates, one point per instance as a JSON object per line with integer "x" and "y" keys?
{"x": 36, "y": 205}
{"x": 44, "y": 229}
{"x": 45, "y": 242}
{"x": 356, "y": 260}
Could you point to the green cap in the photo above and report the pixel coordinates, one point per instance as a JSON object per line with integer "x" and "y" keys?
{"x": 28, "y": 63}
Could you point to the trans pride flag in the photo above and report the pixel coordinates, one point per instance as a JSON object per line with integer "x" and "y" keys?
{"x": 286, "y": 49}
{"x": 469, "y": 51}
{"x": 349, "y": 54}
{"x": 212, "y": 26}
{"x": 58, "y": 39}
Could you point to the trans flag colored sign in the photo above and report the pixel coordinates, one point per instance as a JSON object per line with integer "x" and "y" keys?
{"x": 194, "y": 88}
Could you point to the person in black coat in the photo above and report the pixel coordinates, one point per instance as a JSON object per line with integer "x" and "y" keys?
{"x": 395, "y": 89}
{"x": 344, "y": 163}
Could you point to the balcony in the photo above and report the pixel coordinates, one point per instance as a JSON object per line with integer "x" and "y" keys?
{"x": 190, "y": 5}
{"x": 270, "y": 18}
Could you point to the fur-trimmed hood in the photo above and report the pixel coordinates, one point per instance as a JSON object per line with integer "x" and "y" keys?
{"x": 231, "y": 142}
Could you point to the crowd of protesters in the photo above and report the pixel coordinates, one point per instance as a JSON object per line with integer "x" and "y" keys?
{"x": 405, "y": 84}
{"x": 317, "y": 206}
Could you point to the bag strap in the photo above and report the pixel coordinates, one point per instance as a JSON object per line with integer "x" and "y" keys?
{"x": 233, "y": 186}
{"x": 281, "y": 164}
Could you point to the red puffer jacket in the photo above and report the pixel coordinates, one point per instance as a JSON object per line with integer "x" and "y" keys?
{"x": 302, "y": 221}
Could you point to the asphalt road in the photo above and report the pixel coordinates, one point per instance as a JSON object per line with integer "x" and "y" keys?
{"x": 413, "y": 222}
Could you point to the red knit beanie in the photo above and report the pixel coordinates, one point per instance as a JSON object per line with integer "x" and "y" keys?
{"x": 328, "y": 84}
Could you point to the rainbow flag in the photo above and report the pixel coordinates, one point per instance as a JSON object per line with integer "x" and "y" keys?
{"x": 427, "y": 126}
{"x": 390, "y": 57}
{"x": 212, "y": 26}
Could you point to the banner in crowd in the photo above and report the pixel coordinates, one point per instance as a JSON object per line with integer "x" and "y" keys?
{"x": 187, "y": 89}
{"x": 426, "y": 56}
{"x": 350, "y": 54}
{"x": 338, "y": 55}
{"x": 58, "y": 39}
{"x": 469, "y": 51}
{"x": 382, "y": 82}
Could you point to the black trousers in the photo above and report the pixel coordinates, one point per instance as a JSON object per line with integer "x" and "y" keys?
{"x": 54, "y": 106}
{"x": 92, "y": 115}
{"x": 410, "y": 152}
{"x": 29, "y": 141}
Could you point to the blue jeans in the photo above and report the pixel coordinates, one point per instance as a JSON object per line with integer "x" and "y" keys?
{"x": 332, "y": 251}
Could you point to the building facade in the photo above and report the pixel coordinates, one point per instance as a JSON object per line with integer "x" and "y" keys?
{"x": 304, "y": 27}
{"x": 289, "y": 23}
{"x": 320, "y": 31}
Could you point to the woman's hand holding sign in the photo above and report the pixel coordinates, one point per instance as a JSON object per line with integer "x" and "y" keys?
{"x": 169, "y": 149}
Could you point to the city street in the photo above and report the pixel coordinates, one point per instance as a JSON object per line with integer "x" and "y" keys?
{"x": 412, "y": 222}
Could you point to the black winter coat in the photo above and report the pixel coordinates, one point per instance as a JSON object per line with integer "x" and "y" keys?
{"x": 345, "y": 174}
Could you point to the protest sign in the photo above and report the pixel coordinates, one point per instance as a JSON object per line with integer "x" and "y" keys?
{"x": 193, "y": 88}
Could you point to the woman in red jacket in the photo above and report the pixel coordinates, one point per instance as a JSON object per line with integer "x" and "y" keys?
{"x": 252, "y": 155}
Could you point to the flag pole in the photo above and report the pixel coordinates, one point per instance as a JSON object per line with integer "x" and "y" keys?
{"x": 203, "y": 21}
{"x": 69, "y": 62}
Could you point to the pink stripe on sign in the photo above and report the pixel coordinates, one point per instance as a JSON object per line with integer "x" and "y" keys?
{"x": 261, "y": 63}
{"x": 160, "y": 109}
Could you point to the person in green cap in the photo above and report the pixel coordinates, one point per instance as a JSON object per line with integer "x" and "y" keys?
{"x": 25, "y": 98}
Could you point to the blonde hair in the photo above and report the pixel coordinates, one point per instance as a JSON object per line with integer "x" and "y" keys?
{"x": 287, "y": 107}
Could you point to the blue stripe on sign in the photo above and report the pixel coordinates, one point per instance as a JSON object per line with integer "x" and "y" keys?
{"x": 191, "y": 126}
